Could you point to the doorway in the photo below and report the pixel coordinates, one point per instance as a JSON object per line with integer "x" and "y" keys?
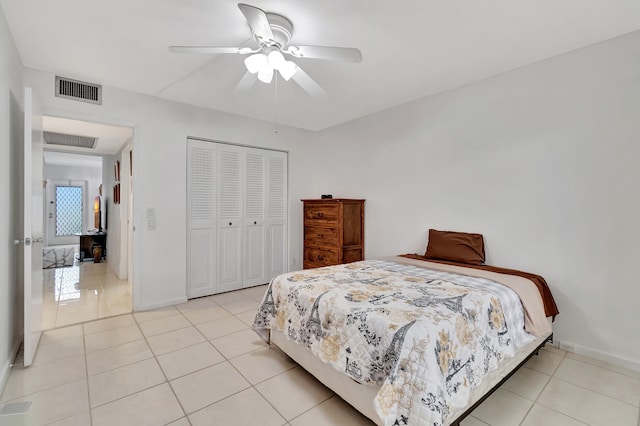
{"x": 83, "y": 212}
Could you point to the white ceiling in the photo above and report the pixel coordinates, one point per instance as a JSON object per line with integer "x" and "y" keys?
{"x": 55, "y": 158}
{"x": 411, "y": 49}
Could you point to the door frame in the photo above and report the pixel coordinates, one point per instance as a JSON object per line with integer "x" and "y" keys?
{"x": 132, "y": 271}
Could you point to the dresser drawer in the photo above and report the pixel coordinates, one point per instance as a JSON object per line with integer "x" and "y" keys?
{"x": 320, "y": 257}
{"x": 321, "y": 214}
{"x": 316, "y": 236}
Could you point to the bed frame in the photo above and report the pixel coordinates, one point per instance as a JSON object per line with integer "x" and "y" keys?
{"x": 361, "y": 397}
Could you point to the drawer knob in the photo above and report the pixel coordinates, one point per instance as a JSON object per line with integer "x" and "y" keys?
{"x": 230, "y": 223}
{"x": 320, "y": 214}
{"x": 255, "y": 223}
{"x": 320, "y": 257}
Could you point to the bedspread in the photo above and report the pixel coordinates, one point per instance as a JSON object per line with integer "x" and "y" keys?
{"x": 426, "y": 337}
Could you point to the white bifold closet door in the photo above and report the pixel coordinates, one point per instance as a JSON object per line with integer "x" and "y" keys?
{"x": 202, "y": 253}
{"x": 276, "y": 214}
{"x": 230, "y": 216}
{"x": 245, "y": 241}
{"x": 255, "y": 235}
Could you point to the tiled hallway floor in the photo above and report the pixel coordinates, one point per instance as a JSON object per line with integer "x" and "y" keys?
{"x": 199, "y": 363}
{"x": 83, "y": 292}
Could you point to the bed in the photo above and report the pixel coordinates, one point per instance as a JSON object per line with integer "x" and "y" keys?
{"x": 407, "y": 340}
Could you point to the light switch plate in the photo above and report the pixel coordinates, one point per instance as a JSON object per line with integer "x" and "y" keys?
{"x": 151, "y": 213}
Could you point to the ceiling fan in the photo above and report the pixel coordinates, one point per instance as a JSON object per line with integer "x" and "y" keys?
{"x": 273, "y": 32}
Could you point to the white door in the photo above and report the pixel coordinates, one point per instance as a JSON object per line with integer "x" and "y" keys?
{"x": 276, "y": 221}
{"x": 255, "y": 262}
{"x": 202, "y": 259}
{"x": 230, "y": 219}
{"x": 33, "y": 234}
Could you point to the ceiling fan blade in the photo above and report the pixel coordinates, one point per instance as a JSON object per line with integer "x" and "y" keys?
{"x": 345, "y": 54}
{"x": 258, "y": 22}
{"x": 246, "y": 82}
{"x": 208, "y": 49}
{"x": 308, "y": 84}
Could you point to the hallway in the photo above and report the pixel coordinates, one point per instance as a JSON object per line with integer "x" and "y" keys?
{"x": 83, "y": 292}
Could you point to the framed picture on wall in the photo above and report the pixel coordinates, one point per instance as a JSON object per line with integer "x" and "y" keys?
{"x": 116, "y": 193}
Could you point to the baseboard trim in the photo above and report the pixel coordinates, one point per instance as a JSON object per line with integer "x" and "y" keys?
{"x": 6, "y": 366}
{"x": 601, "y": 356}
{"x": 161, "y": 304}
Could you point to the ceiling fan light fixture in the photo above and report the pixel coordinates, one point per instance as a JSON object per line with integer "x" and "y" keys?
{"x": 276, "y": 59}
{"x": 265, "y": 74}
{"x": 256, "y": 62}
{"x": 288, "y": 69}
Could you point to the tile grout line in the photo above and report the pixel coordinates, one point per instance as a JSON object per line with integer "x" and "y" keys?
{"x": 228, "y": 361}
{"x": 596, "y": 392}
{"x": 287, "y": 421}
{"x": 86, "y": 367}
{"x": 553, "y": 376}
{"x": 167, "y": 381}
{"x": 565, "y": 357}
{"x": 535, "y": 401}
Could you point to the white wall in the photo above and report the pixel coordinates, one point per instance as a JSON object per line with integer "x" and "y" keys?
{"x": 11, "y": 136}
{"x": 542, "y": 160}
{"x": 159, "y": 166}
{"x": 92, "y": 176}
{"x": 116, "y": 225}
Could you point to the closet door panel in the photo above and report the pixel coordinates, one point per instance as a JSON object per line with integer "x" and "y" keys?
{"x": 277, "y": 213}
{"x": 230, "y": 217}
{"x": 229, "y": 259}
{"x": 200, "y": 265}
{"x": 201, "y": 222}
{"x": 254, "y": 259}
{"x": 255, "y": 263}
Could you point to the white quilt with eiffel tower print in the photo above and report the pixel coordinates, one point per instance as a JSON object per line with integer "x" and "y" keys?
{"x": 425, "y": 337}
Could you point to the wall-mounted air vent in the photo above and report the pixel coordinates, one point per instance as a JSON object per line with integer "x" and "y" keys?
{"x": 53, "y": 138}
{"x": 78, "y": 90}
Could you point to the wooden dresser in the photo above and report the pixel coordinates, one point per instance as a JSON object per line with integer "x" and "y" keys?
{"x": 333, "y": 232}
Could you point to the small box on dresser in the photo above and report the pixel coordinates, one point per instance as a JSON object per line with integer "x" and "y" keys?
{"x": 333, "y": 231}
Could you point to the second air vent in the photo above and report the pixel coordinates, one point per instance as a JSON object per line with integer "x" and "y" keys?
{"x": 78, "y": 90}
{"x": 53, "y": 138}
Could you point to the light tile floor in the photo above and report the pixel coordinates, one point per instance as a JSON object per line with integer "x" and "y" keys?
{"x": 83, "y": 292}
{"x": 200, "y": 364}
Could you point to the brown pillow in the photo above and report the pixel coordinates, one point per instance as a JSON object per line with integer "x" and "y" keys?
{"x": 455, "y": 246}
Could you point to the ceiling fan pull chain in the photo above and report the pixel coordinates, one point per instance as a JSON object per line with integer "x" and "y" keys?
{"x": 276, "y": 104}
